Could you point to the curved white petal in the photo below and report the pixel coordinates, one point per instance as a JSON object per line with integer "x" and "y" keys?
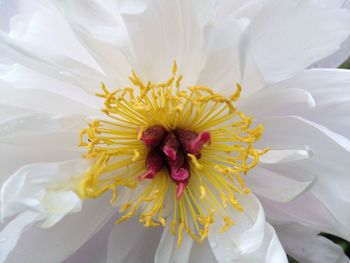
{"x": 96, "y": 248}
{"x": 11, "y": 233}
{"x": 31, "y": 137}
{"x": 251, "y": 237}
{"x": 46, "y": 190}
{"x": 336, "y": 59}
{"x": 274, "y": 186}
{"x": 100, "y": 30}
{"x": 288, "y": 36}
{"x": 77, "y": 101}
{"x": 130, "y": 241}
{"x": 48, "y": 29}
{"x": 276, "y": 101}
{"x": 271, "y": 250}
{"x": 163, "y": 31}
{"x": 43, "y": 188}
{"x": 202, "y": 253}
{"x": 51, "y": 63}
{"x": 329, "y": 163}
{"x": 168, "y": 252}
{"x": 224, "y": 48}
{"x": 282, "y": 156}
{"x": 330, "y": 90}
{"x": 64, "y": 238}
{"x": 35, "y": 129}
{"x": 306, "y": 246}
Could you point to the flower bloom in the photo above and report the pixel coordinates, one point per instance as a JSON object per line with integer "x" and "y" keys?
{"x": 197, "y": 127}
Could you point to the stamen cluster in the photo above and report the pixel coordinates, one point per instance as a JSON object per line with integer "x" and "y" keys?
{"x": 170, "y": 150}
{"x": 158, "y": 131}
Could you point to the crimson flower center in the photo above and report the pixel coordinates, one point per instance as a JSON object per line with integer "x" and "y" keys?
{"x": 170, "y": 150}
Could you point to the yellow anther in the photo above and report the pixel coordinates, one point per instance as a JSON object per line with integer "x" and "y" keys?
{"x": 203, "y": 192}
{"x": 195, "y": 161}
{"x": 136, "y": 156}
{"x": 180, "y": 234}
{"x": 228, "y": 223}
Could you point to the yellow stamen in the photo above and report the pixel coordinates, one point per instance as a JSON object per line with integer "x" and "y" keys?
{"x": 119, "y": 156}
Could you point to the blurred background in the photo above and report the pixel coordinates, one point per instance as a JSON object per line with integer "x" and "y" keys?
{"x": 341, "y": 59}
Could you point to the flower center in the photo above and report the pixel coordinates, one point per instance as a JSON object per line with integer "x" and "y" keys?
{"x": 171, "y": 155}
{"x": 171, "y": 150}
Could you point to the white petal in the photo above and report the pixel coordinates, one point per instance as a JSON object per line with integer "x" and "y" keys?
{"x": 306, "y": 246}
{"x": 164, "y": 31}
{"x": 50, "y": 63}
{"x": 281, "y": 156}
{"x": 11, "y": 233}
{"x": 130, "y": 241}
{"x": 340, "y": 56}
{"x": 201, "y": 252}
{"x": 224, "y": 50}
{"x": 29, "y": 188}
{"x": 42, "y": 101}
{"x": 33, "y": 129}
{"x": 289, "y": 36}
{"x": 271, "y": 250}
{"x": 329, "y": 163}
{"x": 276, "y": 101}
{"x": 49, "y": 30}
{"x": 228, "y": 7}
{"x": 250, "y": 236}
{"x": 75, "y": 99}
{"x": 45, "y": 190}
{"x": 96, "y": 248}
{"x": 63, "y": 239}
{"x": 58, "y": 205}
{"x": 168, "y": 252}
{"x": 274, "y": 186}
{"x": 100, "y": 30}
{"x": 330, "y": 90}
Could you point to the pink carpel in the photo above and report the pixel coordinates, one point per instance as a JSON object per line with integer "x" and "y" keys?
{"x": 180, "y": 188}
{"x": 153, "y": 136}
{"x": 154, "y": 163}
{"x": 170, "y": 146}
{"x": 180, "y": 174}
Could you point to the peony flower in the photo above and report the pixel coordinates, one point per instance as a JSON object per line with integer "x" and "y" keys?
{"x": 197, "y": 127}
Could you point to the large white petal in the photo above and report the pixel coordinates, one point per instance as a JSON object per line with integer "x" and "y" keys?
{"x": 306, "y": 246}
{"x": 168, "y": 252}
{"x": 37, "y": 191}
{"x": 50, "y": 61}
{"x": 276, "y": 101}
{"x": 11, "y": 233}
{"x": 329, "y": 163}
{"x": 288, "y": 36}
{"x": 201, "y": 252}
{"x": 132, "y": 242}
{"x": 44, "y": 130}
{"x": 96, "y": 248}
{"x": 42, "y": 101}
{"x": 99, "y": 28}
{"x": 75, "y": 98}
{"x": 330, "y": 90}
{"x": 224, "y": 48}
{"x": 163, "y": 31}
{"x": 66, "y": 237}
{"x": 274, "y": 186}
{"x": 46, "y": 28}
{"x": 251, "y": 237}
{"x": 45, "y": 189}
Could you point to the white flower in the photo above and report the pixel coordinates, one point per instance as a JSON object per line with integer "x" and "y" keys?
{"x": 67, "y": 48}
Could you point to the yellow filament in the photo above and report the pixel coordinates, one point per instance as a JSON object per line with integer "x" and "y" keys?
{"x": 119, "y": 155}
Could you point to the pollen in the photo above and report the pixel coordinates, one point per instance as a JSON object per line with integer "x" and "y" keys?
{"x": 171, "y": 155}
